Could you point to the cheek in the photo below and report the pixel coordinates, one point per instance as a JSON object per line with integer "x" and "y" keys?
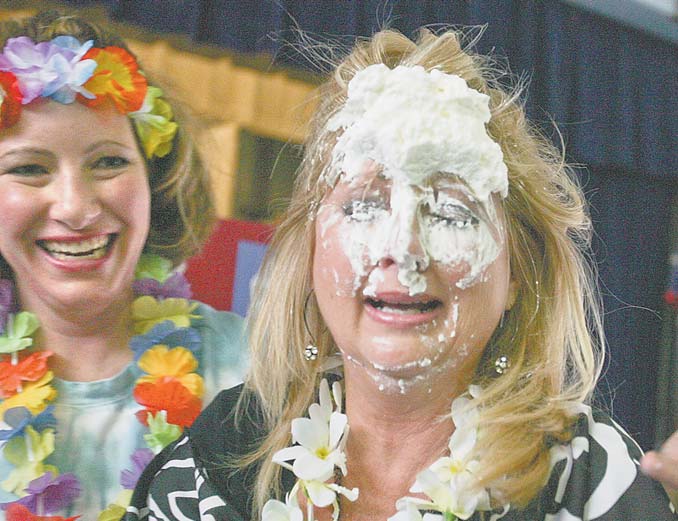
{"x": 19, "y": 210}
{"x": 343, "y": 252}
{"x": 463, "y": 254}
{"x": 130, "y": 199}
{"x": 332, "y": 267}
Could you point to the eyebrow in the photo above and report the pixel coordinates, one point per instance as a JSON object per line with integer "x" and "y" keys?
{"x": 25, "y": 151}
{"x": 106, "y": 142}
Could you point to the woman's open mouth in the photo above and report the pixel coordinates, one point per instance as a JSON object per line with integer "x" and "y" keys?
{"x": 93, "y": 248}
{"x": 401, "y": 310}
{"x": 404, "y": 308}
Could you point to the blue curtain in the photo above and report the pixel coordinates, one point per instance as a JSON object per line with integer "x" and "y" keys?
{"x": 611, "y": 90}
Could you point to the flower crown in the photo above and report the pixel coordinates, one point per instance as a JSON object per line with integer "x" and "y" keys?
{"x": 65, "y": 70}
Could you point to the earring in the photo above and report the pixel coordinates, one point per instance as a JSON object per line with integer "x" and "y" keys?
{"x": 310, "y": 351}
{"x": 502, "y": 364}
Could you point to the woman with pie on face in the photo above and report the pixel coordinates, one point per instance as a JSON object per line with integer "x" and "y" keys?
{"x": 104, "y": 359}
{"x": 429, "y": 288}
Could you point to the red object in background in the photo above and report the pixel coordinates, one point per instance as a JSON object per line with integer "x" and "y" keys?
{"x": 212, "y": 272}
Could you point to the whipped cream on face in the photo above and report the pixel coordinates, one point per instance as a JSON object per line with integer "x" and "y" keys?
{"x": 413, "y": 125}
{"x": 417, "y": 123}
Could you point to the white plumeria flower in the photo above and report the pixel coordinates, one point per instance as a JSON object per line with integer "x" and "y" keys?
{"x": 450, "y": 482}
{"x": 320, "y": 440}
{"x": 275, "y": 510}
{"x": 320, "y": 445}
{"x": 410, "y": 513}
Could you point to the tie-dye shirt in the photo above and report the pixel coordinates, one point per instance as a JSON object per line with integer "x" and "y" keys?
{"x": 97, "y": 431}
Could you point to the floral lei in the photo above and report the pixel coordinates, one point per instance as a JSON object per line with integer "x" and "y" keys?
{"x": 65, "y": 70}
{"x": 169, "y": 394}
{"x": 449, "y": 484}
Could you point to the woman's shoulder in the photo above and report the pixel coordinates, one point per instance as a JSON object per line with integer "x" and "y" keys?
{"x": 172, "y": 487}
{"x": 596, "y": 475}
{"x": 226, "y": 431}
{"x": 200, "y": 468}
{"x": 224, "y": 358}
{"x": 224, "y": 323}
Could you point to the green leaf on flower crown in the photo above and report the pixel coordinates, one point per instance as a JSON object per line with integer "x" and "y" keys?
{"x": 31, "y": 447}
{"x": 154, "y": 125}
{"x": 17, "y": 332}
{"x": 161, "y": 433}
{"x": 152, "y": 266}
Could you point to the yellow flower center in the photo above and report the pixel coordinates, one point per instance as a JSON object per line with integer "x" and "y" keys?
{"x": 322, "y": 452}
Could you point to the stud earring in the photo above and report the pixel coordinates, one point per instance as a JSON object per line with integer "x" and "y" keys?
{"x": 502, "y": 364}
{"x": 311, "y": 352}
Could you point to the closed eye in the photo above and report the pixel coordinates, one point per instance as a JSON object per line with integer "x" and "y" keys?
{"x": 110, "y": 162}
{"x": 451, "y": 214}
{"x": 28, "y": 170}
{"x": 361, "y": 210}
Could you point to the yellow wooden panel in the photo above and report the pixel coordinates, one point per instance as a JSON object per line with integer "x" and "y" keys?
{"x": 191, "y": 76}
{"x": 218, "y": 145}
{"x": 244, "y": 95}
{"x": 222, "y": 85}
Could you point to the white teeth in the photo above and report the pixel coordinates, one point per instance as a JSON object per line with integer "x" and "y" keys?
{"x": 94, "y": 248}
{"x": 400, "y": 311}
{"x": 96, "y": 254}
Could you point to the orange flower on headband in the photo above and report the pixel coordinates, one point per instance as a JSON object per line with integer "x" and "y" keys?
{"x": 10, "y": 99}
{"x": 116, "y": 77}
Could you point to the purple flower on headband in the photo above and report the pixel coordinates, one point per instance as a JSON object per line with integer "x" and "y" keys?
{"x": 140, "y": 460}
{"x": 7, "y": 304}
{"x": 51, "y": 69}
{"x": 52, "y": 493}
{"x": 176, "y": 286}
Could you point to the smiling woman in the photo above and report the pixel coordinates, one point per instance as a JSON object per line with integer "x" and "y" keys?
{"x": 99, "y": 185}
{"x": 433, "y": 264}
{"x": 78, "y": 210}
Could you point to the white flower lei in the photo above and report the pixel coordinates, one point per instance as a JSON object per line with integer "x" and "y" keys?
{"x": 449, "y": 483}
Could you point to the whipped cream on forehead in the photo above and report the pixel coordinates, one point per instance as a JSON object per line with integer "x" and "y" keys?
{"x": 416, "y": 124}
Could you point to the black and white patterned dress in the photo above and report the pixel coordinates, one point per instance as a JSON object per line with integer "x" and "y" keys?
{"x": 594, "y": 477}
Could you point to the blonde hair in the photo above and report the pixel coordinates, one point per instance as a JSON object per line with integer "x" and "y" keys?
{"x": 182, "y": 211}
{"x": 547, "y": 334}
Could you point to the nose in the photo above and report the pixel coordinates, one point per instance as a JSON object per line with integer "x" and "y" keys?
{"x": 75, "y": 200}
{"x": 405, "y": 247}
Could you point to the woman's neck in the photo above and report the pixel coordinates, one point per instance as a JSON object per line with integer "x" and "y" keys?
{"x": 89, "y": 343}
{"x": 392, "y": 438}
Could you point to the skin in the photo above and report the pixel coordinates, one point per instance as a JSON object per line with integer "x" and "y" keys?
{"x": 68, "y": 172}
{"x": 662, "y": 465}
{"x": 393, "y": 400}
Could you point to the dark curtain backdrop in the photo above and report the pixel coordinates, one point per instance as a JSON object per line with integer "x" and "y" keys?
{"x": 611, "y": 90}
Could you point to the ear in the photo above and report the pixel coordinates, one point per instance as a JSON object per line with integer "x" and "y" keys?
{"x": 512, "y": 294}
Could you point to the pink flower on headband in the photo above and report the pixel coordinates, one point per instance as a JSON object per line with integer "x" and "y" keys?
{"x": 52, "y": 69}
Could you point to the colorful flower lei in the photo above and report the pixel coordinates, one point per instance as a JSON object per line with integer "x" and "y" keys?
{"x": 169, "y": 393}
{"x": 65, "y": 70}
{"x": 449, "y": 484}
